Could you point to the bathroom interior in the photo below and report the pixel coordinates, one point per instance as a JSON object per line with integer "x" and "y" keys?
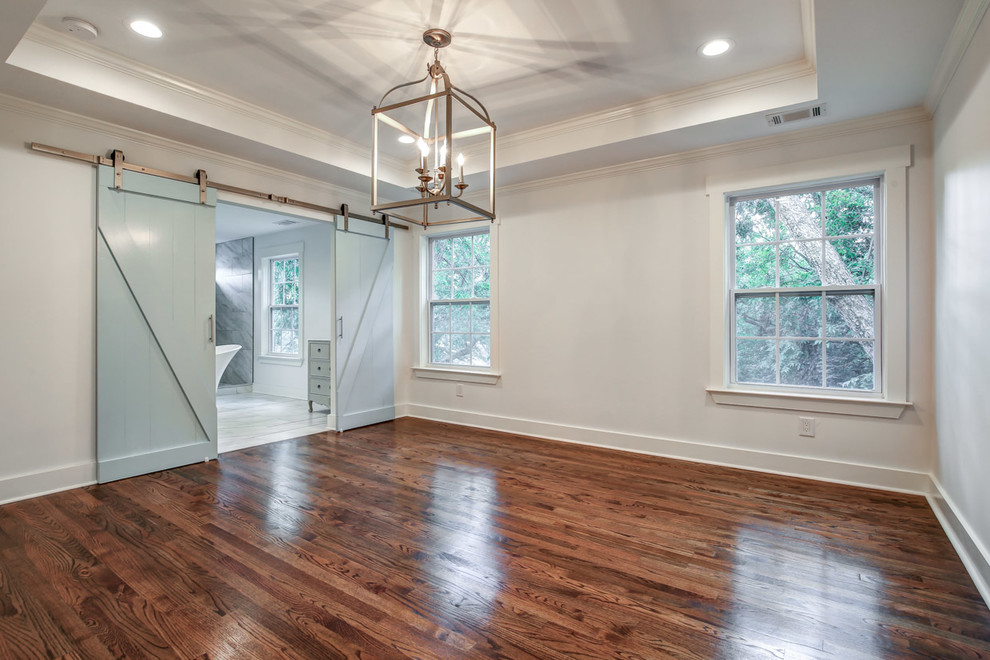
{"x": 263, "y": 373}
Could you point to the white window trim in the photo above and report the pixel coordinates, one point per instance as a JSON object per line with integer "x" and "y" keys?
{"x": 462, "y": 373}
{"x": 891, "y": 164}
{"x": 262, "y": 331}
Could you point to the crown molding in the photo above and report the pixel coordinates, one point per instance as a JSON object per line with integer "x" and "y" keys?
{"x": 87, "y": 52}
{"x": 194, "y": 102}
{"x": 660, "y": 104}
{"x": 116, "y": 132}
{"x": 955, "y": 49}
{"x": 906, "y": 117}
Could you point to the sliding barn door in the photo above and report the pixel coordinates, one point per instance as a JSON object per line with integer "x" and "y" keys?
{"x": 155, "y": 294}
{"x": 365, "y": 369}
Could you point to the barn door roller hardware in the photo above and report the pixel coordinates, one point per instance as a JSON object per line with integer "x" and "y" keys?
{"x": 119, "y": 164}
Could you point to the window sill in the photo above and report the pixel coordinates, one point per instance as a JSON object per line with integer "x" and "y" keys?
{"x": 285, "y": 361}
{"x": 838, "y": 405}
{"x": 461, "y": 375}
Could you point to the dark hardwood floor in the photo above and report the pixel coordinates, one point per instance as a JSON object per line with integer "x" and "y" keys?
{"x": 416, "y": 539}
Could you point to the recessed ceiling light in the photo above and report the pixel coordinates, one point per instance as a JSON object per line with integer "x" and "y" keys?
{"x": 716, "y": 47}
{"x": 406, "y": 139}
{"x": 146, "y": 29}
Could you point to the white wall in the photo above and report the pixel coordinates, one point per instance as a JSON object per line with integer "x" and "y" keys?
{"x": 288, "y": 378}
{"x": 962, "y": 313}
{"x": 604, "y": 330}
{"x": 47, "y": 378}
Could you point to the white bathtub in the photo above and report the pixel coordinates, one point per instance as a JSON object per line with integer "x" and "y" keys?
{"x": 225, "y": 353}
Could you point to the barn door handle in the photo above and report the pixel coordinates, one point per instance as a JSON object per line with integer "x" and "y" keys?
{"x": 340, "y": 327}
{"x": 212, "y": 324}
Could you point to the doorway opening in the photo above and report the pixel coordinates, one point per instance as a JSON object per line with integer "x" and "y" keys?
{"x": 274, "y": 300}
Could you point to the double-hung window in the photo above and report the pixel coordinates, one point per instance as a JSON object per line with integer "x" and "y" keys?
{"x": 805, "y": 287}
{"x": 283, "y": 305}
{"x": 460, "y": 300}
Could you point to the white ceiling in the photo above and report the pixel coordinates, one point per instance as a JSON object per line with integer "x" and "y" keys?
{"x": 571, "y": 84}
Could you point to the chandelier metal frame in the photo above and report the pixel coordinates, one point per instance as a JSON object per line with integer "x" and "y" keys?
{"x": 434, "y": 181}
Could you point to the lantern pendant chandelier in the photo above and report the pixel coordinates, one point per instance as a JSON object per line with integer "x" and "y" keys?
{"x": 414, "y": 143}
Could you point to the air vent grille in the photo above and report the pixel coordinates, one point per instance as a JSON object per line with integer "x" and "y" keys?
{"x": 778, "y": 118}
{"x": 285, "y": 222}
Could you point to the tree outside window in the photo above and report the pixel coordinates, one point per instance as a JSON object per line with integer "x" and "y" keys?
{"x": 283, "y": 307}
{"x": 460, "y": 300}
{"x": 805, "y": 287}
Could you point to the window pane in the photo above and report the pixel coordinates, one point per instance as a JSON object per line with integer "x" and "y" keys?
{"x": 849, "y": 315}
{"x": 755, "y": 266}
{"x": 276, "y": 342}
{"x": 482, "y": 285}
{"x": 855, "y": 261}
{"x": 756, "y": 221}
{"x": 460, "y": 349}
{"x": 441, "y": 253}
{"x": 801, "y": 363}
{"x": 441, "y": 318}
{"x": 292, "y": 341}
{"x": 796, "y": 261}
{"x": 440, "y": 349}
{"x": 462, "y": 251}
{"x": 481, "y": 352}
{"x": 441, "y": 284}
{"x": 287, "y": 270}
{"x": 481, "y": 320}
{"x": 460, "y": 318}
{"x": 290, "y": 293}
{"x": 278, "y": 298}
{"x": 850, "y": 364}
{"x": 756, "y": 361}
{"x": 276, "y": 320}
{"x": 800, "y": 216}
{"x": 482, "y": 249}
{"x": 849, "y": 211}
{"x": 756, "y": 316}
{"x": 800, "y": 316}
{"x": 278, "y": 270}
{"x": 461, "y": 285}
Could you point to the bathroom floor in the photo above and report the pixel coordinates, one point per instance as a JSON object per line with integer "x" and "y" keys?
{"x": 246, "y": 420}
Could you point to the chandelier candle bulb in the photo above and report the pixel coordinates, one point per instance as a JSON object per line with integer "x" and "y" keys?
{"x": 460, "y": 164}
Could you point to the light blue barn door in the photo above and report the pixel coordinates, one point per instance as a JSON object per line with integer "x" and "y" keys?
{"x": 155, "y": 295}
{"x": 363, "y": 302}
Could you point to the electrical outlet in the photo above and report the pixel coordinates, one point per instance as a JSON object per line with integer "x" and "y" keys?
{"x": 806, "y": 426}
{"x": 459, "y": 389}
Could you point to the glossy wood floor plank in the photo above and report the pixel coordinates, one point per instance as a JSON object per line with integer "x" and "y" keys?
{"x": 416, "y": 539}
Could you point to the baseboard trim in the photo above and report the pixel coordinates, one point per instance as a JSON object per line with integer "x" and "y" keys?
{"x": 971, "y": 551}
{"x": 228, "y": 390}
{"x": 852, "y": 474}
{"x": 276, "y": 390}
{"x": 25, "y": 486}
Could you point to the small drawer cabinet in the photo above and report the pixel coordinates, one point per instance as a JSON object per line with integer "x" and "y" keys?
{"x": 320, "y": 381}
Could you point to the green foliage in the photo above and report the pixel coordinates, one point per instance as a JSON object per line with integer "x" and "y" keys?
{"x": 756, "y": 266}
{"x": 460, "y": 272}
{"x": 849, "y": 211}
{"x": 756, "y": 221}
{"x": 850, "y": 364}
{"x": 795, "y": 268}
{"x": 805, "y": 240}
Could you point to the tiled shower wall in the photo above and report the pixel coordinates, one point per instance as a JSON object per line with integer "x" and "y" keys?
{"x": 235, "y": 307}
